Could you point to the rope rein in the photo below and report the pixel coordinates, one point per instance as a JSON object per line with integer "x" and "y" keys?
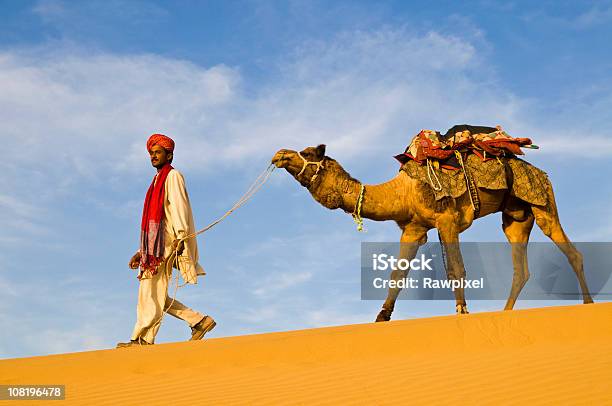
{"x": 254, "y": 188}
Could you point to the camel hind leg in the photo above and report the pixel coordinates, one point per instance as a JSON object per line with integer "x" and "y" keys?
{"x": 517, "y": 232}
{"x": 547, "y": 219}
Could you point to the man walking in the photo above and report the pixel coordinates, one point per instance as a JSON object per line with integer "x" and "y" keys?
{"x": 166, "y": 219}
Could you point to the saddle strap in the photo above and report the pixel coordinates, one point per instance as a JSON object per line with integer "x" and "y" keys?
{"x": 471, "y": 186}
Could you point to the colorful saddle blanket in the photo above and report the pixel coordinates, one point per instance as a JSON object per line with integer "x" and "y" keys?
{"x": 528, "y": 183}
{"x": 485, "y": 142}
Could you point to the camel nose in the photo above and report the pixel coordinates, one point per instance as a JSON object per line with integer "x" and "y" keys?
{"x": 280, "y": 158}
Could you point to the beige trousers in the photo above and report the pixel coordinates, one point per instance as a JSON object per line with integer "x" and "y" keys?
{"x": 153, "y": 300}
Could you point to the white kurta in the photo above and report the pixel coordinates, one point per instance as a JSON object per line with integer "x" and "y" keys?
{"x": 153, "y": 297}
{"x": 178, "y": 223}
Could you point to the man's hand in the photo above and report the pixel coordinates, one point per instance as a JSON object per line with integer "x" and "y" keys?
{"x": 180, "y": 248}
{"x": 135, "y": 261}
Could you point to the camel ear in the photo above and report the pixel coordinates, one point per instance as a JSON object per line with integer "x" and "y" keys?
{"x": 321, "y": 150}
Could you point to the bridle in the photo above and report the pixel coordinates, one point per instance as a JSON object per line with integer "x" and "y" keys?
{"x": 306, "y": 163}
{"x": 356, "y": 212}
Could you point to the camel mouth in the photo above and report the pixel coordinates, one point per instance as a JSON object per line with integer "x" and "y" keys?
{"x": 282, "y": 158}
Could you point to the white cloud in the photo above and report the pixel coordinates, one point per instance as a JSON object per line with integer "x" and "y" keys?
{"x": 598, "y": 228}
{"x": 92, "y": 109}
{"x": 8, "y": 289}
{"x": 76, "y": 16}
{"x": 350, "y": 92}
{"x": 50, "y": 10}
{"x": 75, "y": 320}
{"x": 51, "y": 340}
{"x": 281, "y": 281}
{"x": 260, "y": 315}
{"x": 76, "y": 123}
{"x": 76, "y": 115}
{"x": 16, "y": 207}
{"x": 590, "y": 18}
{"x": 594, "y": 16}
{"x": 596, "y": 146}
{"x": 21, "y": 220}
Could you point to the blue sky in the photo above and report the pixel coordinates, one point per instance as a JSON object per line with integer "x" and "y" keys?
{"x": 85, "y": 83}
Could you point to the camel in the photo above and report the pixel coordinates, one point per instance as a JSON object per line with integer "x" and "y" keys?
{"x": 412, "y": 205}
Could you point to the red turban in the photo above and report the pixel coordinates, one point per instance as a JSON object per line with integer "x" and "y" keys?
{"x": 161, "y": 140}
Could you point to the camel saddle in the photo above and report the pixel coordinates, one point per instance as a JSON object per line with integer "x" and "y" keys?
{"x": 485, "y": 142}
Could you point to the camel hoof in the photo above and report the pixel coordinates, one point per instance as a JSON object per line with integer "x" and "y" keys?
{"x": 461, "y": 309}
{"x": 384, "y": 315}
{"x": 588, "y": 300}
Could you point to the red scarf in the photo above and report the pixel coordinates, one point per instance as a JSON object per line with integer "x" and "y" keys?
{"x": 151, "y": 228}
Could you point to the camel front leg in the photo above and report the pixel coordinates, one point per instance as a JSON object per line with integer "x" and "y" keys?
{"x": 455, "y": 270}
{"x": 412, "y": 238}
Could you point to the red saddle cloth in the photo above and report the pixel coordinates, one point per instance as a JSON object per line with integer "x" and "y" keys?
{"x": 498, "y": 146}
{"x": 429, "y": 144}
{"x": 493, "y": 143}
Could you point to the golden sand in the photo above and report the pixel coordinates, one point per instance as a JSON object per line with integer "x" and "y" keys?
{"x": 555, "y": 355}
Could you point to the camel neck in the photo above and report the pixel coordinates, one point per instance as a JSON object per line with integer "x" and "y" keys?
{"x": 379, "y": 202}
{"x": 351, "y": 196}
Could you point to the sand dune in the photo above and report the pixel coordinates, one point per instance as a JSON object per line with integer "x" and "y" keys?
{"x": 557, "y": 355}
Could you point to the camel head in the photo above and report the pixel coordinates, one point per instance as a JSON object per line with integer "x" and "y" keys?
{"x": 304, "y": 166}
{"x": 321, "y": 175}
